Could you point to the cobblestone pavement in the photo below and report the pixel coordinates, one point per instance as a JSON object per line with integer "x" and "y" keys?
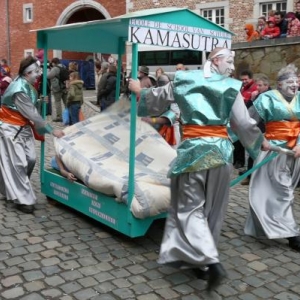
{"x": 58, "y": 253}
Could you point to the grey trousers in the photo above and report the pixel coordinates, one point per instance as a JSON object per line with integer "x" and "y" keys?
{"x": 198, "y": 206}
{"x": 59, "y": 97}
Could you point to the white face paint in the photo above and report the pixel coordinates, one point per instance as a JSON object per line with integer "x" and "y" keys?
{"x": 225, "y": 65}
{"x": 289, "y": 87}
{"x": 33, "y": 75}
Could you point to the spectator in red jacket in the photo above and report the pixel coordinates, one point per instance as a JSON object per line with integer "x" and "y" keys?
{"x": 271, "y": 31}
{"x": 249, "y": 85}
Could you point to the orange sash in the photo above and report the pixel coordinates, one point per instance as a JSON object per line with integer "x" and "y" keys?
{"x": 195, "y": 131}
{"x": 283, "y": 130}
{"x": 12, "y": 117}
{"x": 168, "y": 133}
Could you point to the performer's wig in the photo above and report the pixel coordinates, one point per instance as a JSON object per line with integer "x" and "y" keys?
{"x": 27, "y": 65}
{"x": 287, "y": 72}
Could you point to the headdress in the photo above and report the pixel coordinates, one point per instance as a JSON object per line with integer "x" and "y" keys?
{"x": 208, "y": 64}
{"x": 287, "y": 72}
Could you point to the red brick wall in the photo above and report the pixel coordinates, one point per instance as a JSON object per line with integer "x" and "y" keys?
{"x": 45, "y": 14}
{"x": 3, "y": 31}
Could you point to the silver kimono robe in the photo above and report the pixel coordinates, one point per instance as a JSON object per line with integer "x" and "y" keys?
{"x": 200, "y": 174}
{"x": 271, "y": 190}
{"x": 17, "y": 146}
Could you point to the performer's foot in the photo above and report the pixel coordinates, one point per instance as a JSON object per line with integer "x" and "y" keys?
{"x": 201, "y": 274}
{"x": 216, "y": 274}
{"x": 294, "y": 243}
{"x": 2, "y": 197}
{"x": 27, "y": 209}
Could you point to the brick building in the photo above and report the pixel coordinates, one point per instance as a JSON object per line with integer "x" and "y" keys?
{"x": 22, "y": 16}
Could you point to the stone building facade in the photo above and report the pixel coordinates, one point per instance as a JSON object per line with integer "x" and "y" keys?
{"x": 232, "y": 14}
{"x": 267, "y": 57}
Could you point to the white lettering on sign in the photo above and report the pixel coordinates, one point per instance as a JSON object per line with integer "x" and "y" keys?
{"x": 176, "y": 36}
{"x": 61, "y": 195}
{"x": 96, "y": 204}
{"x": 102, "y": 215}
{"x": 59, "y": 187}
{"x": 89, "y": 194}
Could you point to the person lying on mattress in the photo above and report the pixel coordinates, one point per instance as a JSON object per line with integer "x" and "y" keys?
{"x": 57, "y": 164}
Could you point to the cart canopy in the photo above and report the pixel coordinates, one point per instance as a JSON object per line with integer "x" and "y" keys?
{"x": 170, "y": 27}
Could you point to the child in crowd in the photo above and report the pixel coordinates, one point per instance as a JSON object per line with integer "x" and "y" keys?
{"x": 261, "y": 24}
{"x": 271, "y": 31}
{"x": 271, "y": 13}
{"x": 293, "y": 25}
{"x": 75, "y": 97}
{"x": 252, "y": 35}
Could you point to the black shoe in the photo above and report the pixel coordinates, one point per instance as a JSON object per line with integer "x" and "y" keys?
{"x": 294, "y": 243}
{"x": 57, "y": 120}
{"x": 201, "y": 274}
{"x": 238, "y": 165}
{"x": 216, "y": 275}
{"x": 27, "y": 209}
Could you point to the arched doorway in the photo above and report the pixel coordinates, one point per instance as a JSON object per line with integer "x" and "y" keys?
{"x": 81, "y": 11}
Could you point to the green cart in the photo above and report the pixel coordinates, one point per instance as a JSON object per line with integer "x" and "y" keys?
{"x": 169, "y": 27}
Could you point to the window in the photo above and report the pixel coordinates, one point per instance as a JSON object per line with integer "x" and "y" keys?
{"x": 27, "y": 13}
{"x": 216, "y": 11}
{"x": 28, "y": 52}
{"x": 170, "y": 57}
{"x": 216, "y": 15}
{"x": 276, "y": 6}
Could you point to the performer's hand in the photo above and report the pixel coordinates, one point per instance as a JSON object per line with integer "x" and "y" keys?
{"x": 58, "y": 133}
{"x": 296, "y": 149}
{"x": 146, "y": 119}
{"x": 254, "y": 95}
{"x": 265, "y": 146}
{"x": 45, "y": 99}
{"x": 135, "y": 86}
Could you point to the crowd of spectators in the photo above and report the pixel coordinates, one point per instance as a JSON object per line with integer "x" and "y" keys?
{"x": 276, "y": 25}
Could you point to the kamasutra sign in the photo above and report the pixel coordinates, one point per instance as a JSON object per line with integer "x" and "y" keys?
{"x": 176, "y": 36}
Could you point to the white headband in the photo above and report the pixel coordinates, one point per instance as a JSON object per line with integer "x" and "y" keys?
{"x": 31, "y": 67}
{"x": 208, "y": 64}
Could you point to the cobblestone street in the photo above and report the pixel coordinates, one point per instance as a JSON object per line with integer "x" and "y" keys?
{"x": 58, "y": 253}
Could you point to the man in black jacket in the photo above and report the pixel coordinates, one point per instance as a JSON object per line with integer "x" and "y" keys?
{"x": 107, "y": 88}
{"x": 281, "y": 22}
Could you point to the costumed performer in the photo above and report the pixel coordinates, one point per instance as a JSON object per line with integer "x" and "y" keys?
{"x": 19, "y": 119}
{"x": 200, "y": 175}
{"x": 271, "y": 190}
